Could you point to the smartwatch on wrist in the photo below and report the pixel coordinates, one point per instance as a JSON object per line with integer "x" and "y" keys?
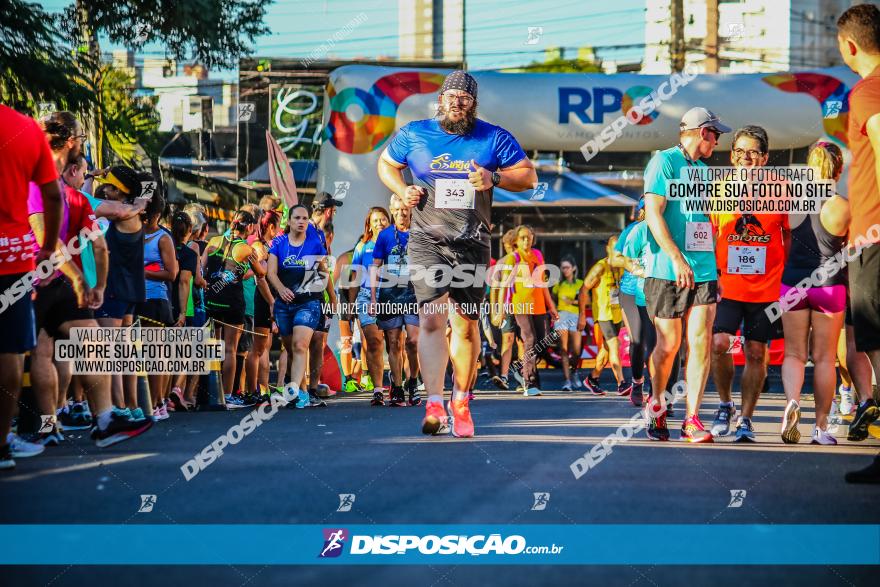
{"x": 496, "y": 178}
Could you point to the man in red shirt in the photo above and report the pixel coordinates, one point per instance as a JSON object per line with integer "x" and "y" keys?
{"x": 67, "y": 302}
{"x": 858, "y": 37}
{"x": 24, "y": 158}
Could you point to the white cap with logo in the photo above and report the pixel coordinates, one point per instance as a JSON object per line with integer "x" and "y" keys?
{"x": 698, "y": 117}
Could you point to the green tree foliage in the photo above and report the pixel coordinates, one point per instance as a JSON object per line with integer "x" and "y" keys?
{"x": 213, "y": 32}
{"x": 560, "y": 65}
{"x": 57, "y": 58}
{"x": 35, "y": 61}
{"x": 130, "y": 124}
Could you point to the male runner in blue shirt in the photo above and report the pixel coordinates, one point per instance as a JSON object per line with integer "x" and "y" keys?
{"x": 455, "y": 160}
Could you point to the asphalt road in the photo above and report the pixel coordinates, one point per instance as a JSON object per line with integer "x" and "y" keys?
{"x": 292, "y": 469}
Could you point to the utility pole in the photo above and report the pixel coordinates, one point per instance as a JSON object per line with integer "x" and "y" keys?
{"x": 710, "y": 46}
{"x": 89, "y": 58}
{"x": 464, "y": 34}
{"x": 676, "y": 44}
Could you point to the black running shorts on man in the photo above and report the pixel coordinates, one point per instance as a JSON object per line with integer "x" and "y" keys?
{"x": 756, "y": 324}
{"x": 17, "y": 317}
{"x": 56, "y": 304}
{"x": 864, "y": 293}
{"x": 667, "y": 300}
{"x": 450, "y": 225}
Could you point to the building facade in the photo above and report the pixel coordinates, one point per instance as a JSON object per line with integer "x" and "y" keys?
{"x": 752, "y": 35}
{"x": 430, "y": 30}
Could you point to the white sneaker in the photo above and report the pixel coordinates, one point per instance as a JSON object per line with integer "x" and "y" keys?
{"x": 22, "y": 449}
{"x": 291, "y": 392}
{"x": 822, "y": 437}
{"x": 834, "y": 419}
{"x": 847, "y": 401}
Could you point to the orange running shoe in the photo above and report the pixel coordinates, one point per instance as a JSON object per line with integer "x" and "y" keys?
{"x": 462, "y": 423}
{"x": 435, "y": 418}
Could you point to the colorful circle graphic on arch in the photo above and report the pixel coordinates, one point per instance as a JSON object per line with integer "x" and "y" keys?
{"x": 379, "y": 107}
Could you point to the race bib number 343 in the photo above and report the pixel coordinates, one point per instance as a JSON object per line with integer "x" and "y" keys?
{"x": 455, "y": 194}
{"x": 698, "y": 237}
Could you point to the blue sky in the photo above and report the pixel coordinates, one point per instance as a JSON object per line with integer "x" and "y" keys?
{"x": 496, "y": 37}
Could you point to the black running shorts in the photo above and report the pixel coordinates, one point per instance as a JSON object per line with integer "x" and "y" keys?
{"x": 17, "y": 320}
{"x": 231, "y": 316}
{"x": 246, "y": 340}
{"x": 157, "y": 312}
{"x": 262, "y": 312}
{"x": 437, "y": 269}
{"x": 864, "y": 298}
{"x": 56, "y": 304}
{"x": 756, "y": 325}
{"x": 667, "y": 300}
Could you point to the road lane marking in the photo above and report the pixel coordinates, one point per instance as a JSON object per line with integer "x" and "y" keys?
{"x": 80, "y": 467}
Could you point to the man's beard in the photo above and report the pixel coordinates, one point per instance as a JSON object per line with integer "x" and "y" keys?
{"x": 459, "y": 127}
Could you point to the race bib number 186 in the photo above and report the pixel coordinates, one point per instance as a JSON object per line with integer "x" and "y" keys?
{"x": 746, "y": 260}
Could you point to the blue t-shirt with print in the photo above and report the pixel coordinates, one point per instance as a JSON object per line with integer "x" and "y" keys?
{"x": 297, "y": 265}
{"x": 664, "y": 166}
{"x": 434, "y": 155}
{"x": 362, "y": 259}
{"x": 391, "y": 250}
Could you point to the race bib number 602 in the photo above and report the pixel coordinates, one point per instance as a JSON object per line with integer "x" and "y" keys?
{"x": 698, "y": 237}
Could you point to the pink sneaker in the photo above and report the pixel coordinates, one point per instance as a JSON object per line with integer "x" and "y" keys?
{"x": 160, "y": 413}
{"x": 462, "y": 423}
{"x": 435, "y": 419}
{"x": 176, "y": 402}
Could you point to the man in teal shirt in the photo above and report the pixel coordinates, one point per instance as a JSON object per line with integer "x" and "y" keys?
{"x": 682, "y": 274}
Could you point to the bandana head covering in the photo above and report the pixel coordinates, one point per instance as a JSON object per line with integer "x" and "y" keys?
{"x": 462, "y": 81}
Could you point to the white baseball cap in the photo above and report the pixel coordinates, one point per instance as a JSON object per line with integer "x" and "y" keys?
{"x": 698, "y": 117}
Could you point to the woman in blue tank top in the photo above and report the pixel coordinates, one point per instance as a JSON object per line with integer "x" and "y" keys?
{"x": 160, "y": 270}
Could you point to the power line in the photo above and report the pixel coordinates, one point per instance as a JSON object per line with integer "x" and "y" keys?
{"x": 492, "y": 27}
